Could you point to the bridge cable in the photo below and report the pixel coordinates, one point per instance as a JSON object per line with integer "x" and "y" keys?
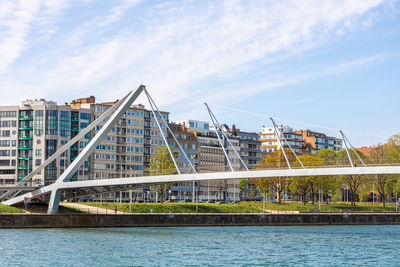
{"x": 212, "y": 116}
{"x": 347, "y": 142}
{"x": 151, "y": 101}
{"x": 289, "y": 121}
{"x": 276, "y": 128}
{"x": 163, "y": 135}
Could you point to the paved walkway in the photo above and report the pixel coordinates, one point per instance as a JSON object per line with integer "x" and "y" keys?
{"x": 88, "y": 209}
{"x": 283, "y": 211}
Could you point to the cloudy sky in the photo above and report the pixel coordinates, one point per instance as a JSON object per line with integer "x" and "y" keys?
{"x": 323, "y": 65}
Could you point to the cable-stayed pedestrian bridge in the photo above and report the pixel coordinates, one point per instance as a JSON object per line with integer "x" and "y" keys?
{"x": 63, "y": 188}
{"x": 92, "y": 187}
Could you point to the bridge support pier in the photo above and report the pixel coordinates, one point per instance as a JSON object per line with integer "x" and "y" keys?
{"x": 54, "y": 201}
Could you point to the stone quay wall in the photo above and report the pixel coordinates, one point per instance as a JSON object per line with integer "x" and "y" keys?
{"x": 170, "y": 220}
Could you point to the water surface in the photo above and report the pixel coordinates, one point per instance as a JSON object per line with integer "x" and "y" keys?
{"x": 177, "y": 246}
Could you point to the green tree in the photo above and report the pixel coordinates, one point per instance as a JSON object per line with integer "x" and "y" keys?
{"x": 328, "y": 184}
{"x": 353, "y": 182}
{"x": 161, "y": 164}
{"x": 242, "y": 185}
{"x": 276, "y": 160}
{"x": 303, "y": 185}
{"x": 384, "y": 182}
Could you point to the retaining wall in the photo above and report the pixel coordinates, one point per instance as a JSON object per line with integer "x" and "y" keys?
{"x": 140, "y": 220}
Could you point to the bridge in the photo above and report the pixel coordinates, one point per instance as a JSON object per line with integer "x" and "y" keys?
{"x": 63, "y": 188}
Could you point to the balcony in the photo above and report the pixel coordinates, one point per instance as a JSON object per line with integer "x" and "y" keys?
{"x": 25, "y": 157}
{"x": 25, "y": 118}
{"x": 25, "y": 136}
{"x": 24, "y": 147}
{"x": 24, "y": 167}
{"x": 25, "y": 127}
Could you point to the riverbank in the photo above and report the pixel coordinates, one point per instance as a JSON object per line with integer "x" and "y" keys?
{"x": 168, "y": 220}
{"x": 242, "y": 207}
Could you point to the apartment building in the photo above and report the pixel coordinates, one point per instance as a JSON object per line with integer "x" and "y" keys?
{"x": 32, "y": 132}
{"x": 189, "y": 144}
{"x": 211, "y": 157}
{"x": 127, "y": 148}
{"x": 250, "y": 146}
{"x": 188, "y": 141}
{"x": 269, "y": 140}
{"x": 320, "y": 141}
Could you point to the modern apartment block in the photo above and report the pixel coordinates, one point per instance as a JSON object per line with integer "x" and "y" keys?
{"x": 269, "y": 140}
{"x": 250, "y": 146}
{"x": 211, "y": 157}
{"x": 188, "y": 142}
{"x": 127, "y": 149}
{"x": 320, "y": 141}
{"x": 302, "y": 141}
{"x": 32, "y": 132}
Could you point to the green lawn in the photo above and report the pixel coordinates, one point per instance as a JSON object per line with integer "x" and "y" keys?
{"x": 243, "y": 207}
{"x": 338, "y": 206}
{"x": 9, "y": 209}
{"x": 177, "y": 207}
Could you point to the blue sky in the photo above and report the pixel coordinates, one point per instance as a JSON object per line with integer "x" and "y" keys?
{"x": 322, "y": 65}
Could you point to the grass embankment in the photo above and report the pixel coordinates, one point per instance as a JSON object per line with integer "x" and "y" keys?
{"x": 332, "y": 207}
{"x": 177, "y": 207}
{"x": 9, "y": 209}
{"x": 243, "y": 207}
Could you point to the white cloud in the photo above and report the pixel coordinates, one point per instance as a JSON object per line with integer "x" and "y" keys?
{"x": 169, "y": 48}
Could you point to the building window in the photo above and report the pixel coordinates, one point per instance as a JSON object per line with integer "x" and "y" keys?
{"x": 85, "y": 116}
{"x": 51, "y": 122}
{"x": 64, "y": 123}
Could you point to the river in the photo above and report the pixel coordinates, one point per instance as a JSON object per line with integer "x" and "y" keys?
{"x": 229, "y": 246}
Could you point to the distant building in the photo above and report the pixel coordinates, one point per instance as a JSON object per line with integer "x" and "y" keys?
{"x": 32, "y": 132}
{"x": 127, "y": 149}
{"x": 188, "y": 142}
{"x": 320, "y": 141}
{"x": 211, "y": 157}
{"x": 249, "y": 146}
{"x": 269, "y": 140}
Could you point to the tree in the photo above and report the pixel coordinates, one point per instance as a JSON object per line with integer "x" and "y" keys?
{"x": 384, "y": 182}
{"x": 394, "y": 140}
{"x": 352, "y": 181}
{"x": 242, "y": 185}
{"x": 161, "y": 164}
{"x": 263, "y": 185}
{"x": 328, "y": 183}
{"x": 276, "y": 160}
{"x": 303, "y": 185}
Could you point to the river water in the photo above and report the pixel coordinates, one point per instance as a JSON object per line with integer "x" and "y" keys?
{"x": 228, "y": 246}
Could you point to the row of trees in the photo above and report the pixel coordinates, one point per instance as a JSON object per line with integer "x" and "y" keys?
{"x": 306, "y": 188}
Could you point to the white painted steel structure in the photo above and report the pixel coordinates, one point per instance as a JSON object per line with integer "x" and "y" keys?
{"x": 63, "y": 184}
{"x": 146, "y": 180}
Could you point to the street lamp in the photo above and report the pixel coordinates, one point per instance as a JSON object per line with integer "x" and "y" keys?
{"x": 169, "y": 195}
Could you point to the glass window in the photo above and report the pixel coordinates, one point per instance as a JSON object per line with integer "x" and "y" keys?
{"x": 51, "y": 122}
